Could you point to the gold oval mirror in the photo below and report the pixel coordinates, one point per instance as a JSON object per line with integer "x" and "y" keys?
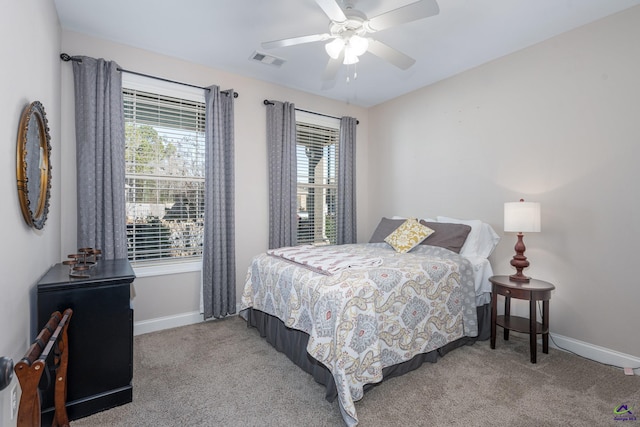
{"x": 33, "y": 167}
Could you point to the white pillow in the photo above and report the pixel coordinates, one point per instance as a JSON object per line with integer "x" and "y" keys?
{"x": 482, "y": 239}
{"x": 489, "y": 239}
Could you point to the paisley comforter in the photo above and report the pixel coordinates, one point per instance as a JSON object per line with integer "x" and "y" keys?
{"x": 360, "y": 321}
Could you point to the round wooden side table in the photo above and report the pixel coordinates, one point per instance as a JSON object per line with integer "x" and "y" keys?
{"x": 533, "y": 291}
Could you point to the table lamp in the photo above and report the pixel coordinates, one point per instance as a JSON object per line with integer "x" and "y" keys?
{"x": 521, "y": 217}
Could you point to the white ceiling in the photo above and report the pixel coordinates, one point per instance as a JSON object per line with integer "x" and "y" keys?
{"x": 224, "y": 34}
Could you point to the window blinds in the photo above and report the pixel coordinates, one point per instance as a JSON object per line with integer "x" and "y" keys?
{"x": 164, "y": 176}
{"x": 317, "y": 157}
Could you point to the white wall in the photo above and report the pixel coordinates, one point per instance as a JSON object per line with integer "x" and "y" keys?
{"x": 556, "y": 123}
{"x": 29, "y": 43}
{"x": 177, "y": 295}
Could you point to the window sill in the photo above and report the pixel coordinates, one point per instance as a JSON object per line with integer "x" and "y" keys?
{"x": 165, "y": 269}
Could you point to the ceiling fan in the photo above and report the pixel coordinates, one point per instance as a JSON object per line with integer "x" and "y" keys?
{"x": 350, "y": 33}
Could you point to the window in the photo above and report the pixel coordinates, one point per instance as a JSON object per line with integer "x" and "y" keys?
{"x": 164, "y": 179}
{"x": 317, "y": 157}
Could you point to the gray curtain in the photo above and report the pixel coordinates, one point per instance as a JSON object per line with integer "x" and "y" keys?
{"x": 283, "y": 176}
{"x": 346, "y": 209}
{"x": 218, "y": 254}
{"x": 100, "y": 157}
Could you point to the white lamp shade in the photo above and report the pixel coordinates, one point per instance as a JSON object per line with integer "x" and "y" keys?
{"x": 522, "y": 217}
{"x": 358, "y": 45}
{"x": 349, "y": 56}
{"x": 334, "y": 47}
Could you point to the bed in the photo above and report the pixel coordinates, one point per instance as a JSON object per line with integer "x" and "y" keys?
{"x": 353, "y": 315}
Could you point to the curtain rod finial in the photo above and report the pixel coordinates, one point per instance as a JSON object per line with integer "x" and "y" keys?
{"x": 66, "y": 58}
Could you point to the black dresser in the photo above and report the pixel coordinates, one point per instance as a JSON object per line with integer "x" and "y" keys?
{"x": 100, "y": 336}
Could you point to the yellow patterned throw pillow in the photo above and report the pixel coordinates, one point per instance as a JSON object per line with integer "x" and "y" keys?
{"x": 408, "y": 235}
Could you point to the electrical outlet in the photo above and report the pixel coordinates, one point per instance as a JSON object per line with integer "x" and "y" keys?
{"x": 14, "y": 401}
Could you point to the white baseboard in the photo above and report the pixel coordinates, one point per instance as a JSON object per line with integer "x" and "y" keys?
{"x": 560, "y": 342}
{"x": 594, "y": 352}
{"x": 167, "y": 322}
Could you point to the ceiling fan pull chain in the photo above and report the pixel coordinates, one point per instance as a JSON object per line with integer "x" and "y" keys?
{"x": 349, "y": 73}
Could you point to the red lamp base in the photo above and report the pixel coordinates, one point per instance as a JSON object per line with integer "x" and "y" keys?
{"x": 519, "y": 278}
{"x": 519, "y": 261}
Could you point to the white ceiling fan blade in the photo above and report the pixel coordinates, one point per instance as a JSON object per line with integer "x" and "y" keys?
{"x": 330, "y": 72}
{"x": 295, "y": 40}
{"x": 332, "y": 10}
{"x": 390, "y": 54}
{"x": 411, "y": 12}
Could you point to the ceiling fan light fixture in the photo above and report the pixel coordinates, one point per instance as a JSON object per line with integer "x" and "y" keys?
{"x": 349, "y": 56}
{"x": 334, "y": 47}
{"x": 358, "y": 45}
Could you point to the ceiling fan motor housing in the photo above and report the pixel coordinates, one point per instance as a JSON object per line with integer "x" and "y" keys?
{"x": 355, "y": 24}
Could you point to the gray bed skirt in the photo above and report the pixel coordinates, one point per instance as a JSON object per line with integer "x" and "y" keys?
{"x": 293, "y": 344}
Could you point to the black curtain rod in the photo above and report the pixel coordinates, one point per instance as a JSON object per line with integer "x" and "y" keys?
{"x": 267, "y": 102}
{"x": 66, "y": 58}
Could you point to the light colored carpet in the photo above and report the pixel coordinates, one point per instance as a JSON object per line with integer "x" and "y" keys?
{"x": 221, "y": 373}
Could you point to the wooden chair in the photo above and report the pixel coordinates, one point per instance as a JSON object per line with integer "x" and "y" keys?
{"x": 53, "y": 337}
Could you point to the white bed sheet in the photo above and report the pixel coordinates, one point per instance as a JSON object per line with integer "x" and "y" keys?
{"x": 481, "y": 272}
